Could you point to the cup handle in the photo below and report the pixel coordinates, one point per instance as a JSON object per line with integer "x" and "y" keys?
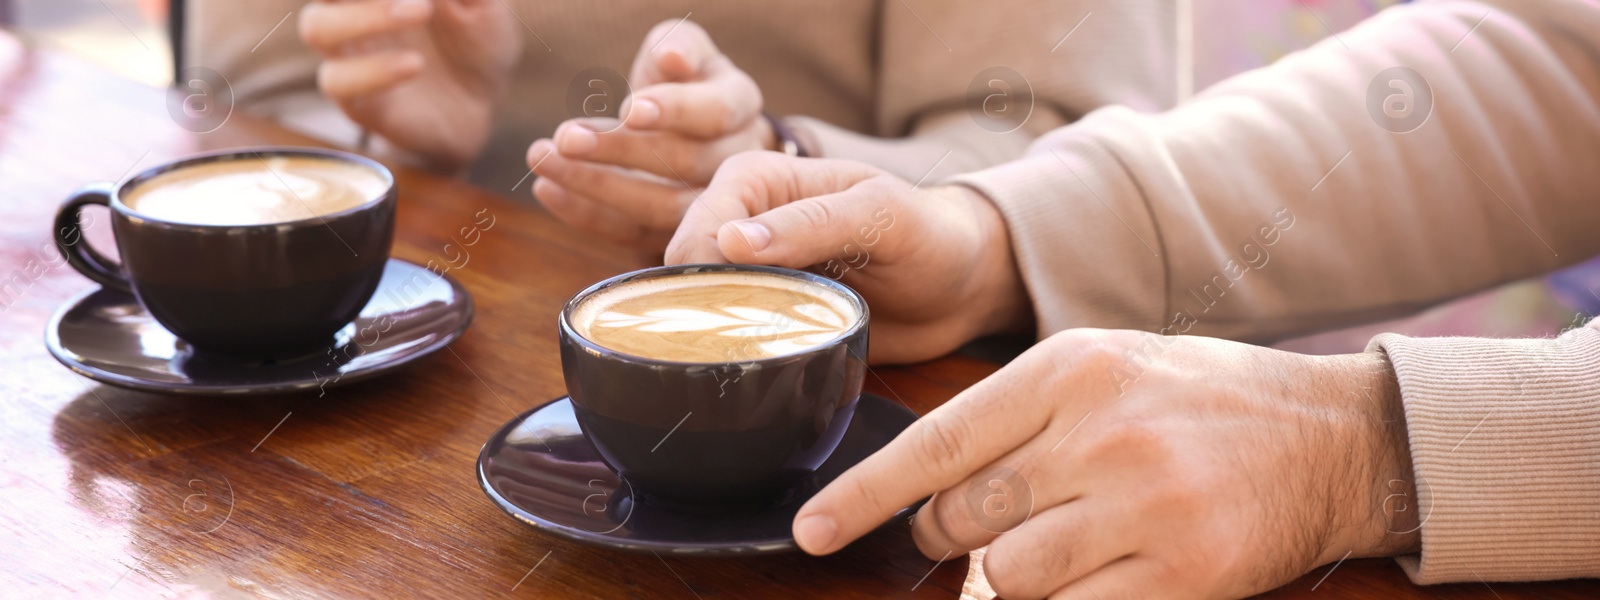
{"x": 75, "y": 246}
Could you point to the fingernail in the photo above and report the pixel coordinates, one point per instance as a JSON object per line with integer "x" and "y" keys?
{"x": 536, "y": 154}
{"x": 814, "y": 533}
{"x": 406, "y": 10}
{"x": 755, "y": 234}
{"x": 575, "y": 140}
{"x": 645, "y": 113}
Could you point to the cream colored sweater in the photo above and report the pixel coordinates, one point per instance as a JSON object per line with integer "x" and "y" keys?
{"x": 1287, "y": 200}
{"x": 885, "y": 82}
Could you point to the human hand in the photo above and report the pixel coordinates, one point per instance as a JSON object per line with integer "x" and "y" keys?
{"x": 424, "y": 74}
{"x": 934, "y": 264}
{"x": 1119, "y": 464}
{"x": 630, "y": 181}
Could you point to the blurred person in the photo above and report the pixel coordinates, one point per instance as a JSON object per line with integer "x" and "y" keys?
{"x": 470, "y": 84}
{"x": 1437, "y": 149}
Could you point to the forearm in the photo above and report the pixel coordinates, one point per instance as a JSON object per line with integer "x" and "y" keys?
{"x": 1276, "y": 204}
{"x": 942, "y": 146}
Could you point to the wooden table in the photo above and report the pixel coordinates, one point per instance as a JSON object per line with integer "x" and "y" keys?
{"x": 368, "y": 491}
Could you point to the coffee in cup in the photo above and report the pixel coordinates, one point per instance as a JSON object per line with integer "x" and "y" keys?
{"x": 714, "y": 385}
{"x": 714, "y": 317}
{"x": 260, "y": 253}
{"x": 276, "y": 189}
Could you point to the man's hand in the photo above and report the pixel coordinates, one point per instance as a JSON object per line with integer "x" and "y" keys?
{"x": 424, "y": 74}
{"x": 934, "y": 264}
{"x": 1117, "y": 464}
{"x": 630, "y": 182}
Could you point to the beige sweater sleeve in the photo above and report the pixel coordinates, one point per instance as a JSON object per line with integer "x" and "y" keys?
{"x": 1040, "y": 63}
{"x": 1505, "y": 446}
{"x": 1277, "y": 202}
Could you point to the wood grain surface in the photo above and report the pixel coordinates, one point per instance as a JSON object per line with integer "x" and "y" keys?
{"x": 369, "y": 490}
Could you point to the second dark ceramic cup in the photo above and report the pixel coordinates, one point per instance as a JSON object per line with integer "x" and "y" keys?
{"x": 272, "y": 290}
{"x": 696, "y": 434}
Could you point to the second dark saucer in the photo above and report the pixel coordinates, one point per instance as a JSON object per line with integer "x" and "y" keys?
{"x": 542, "y": 471}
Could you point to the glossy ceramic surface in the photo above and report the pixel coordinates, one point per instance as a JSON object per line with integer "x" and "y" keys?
{"x": 541, "y": 470}
{"x": 736, "y": 432}
{"x": 274, "y": 290}
{"x": 107, "y": 336}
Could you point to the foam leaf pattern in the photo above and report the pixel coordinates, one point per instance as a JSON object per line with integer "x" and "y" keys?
{"x": 808, "y": 321}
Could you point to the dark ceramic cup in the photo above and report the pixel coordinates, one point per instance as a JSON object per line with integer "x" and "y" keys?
{"x": 259, "y": 291}
{"x": 699, "y": 435}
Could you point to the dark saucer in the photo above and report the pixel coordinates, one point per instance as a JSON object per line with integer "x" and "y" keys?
{"x": 541, "y": 470}
{"x": 107, "y": 336}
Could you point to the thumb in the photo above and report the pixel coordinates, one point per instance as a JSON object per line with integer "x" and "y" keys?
{"x": 804, "y": 233}
{"x": 750, "y": 184}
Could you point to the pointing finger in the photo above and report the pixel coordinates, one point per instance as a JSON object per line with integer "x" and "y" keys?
{"x": 937, "y": 452}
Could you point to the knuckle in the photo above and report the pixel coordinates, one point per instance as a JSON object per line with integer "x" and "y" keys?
{"x": 937, "y": 445}
{"x": 1129, "y": 437}
{"x": 584, "y": 178}
{"x": 715, "y": 111}
{"x": 1007, "y": 572}
{"x": 817, "y": 216}
{"x": 950, "y": 517}
{"x": 866, "y": 496}
{"x": 681, "y": 162}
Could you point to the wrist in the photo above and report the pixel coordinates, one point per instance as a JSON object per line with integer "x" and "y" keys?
{"x": 1382, "y": 498}
{"x": 998, "y": 291}
{"x": 783, "y": 135}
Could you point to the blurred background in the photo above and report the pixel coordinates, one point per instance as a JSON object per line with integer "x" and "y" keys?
{"x": 134, "y": 39}
{"x": 128, "y": 37}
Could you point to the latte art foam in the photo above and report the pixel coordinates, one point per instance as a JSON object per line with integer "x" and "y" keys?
{"x": 714, "y": 317}
{"x": 251, "y": 191}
